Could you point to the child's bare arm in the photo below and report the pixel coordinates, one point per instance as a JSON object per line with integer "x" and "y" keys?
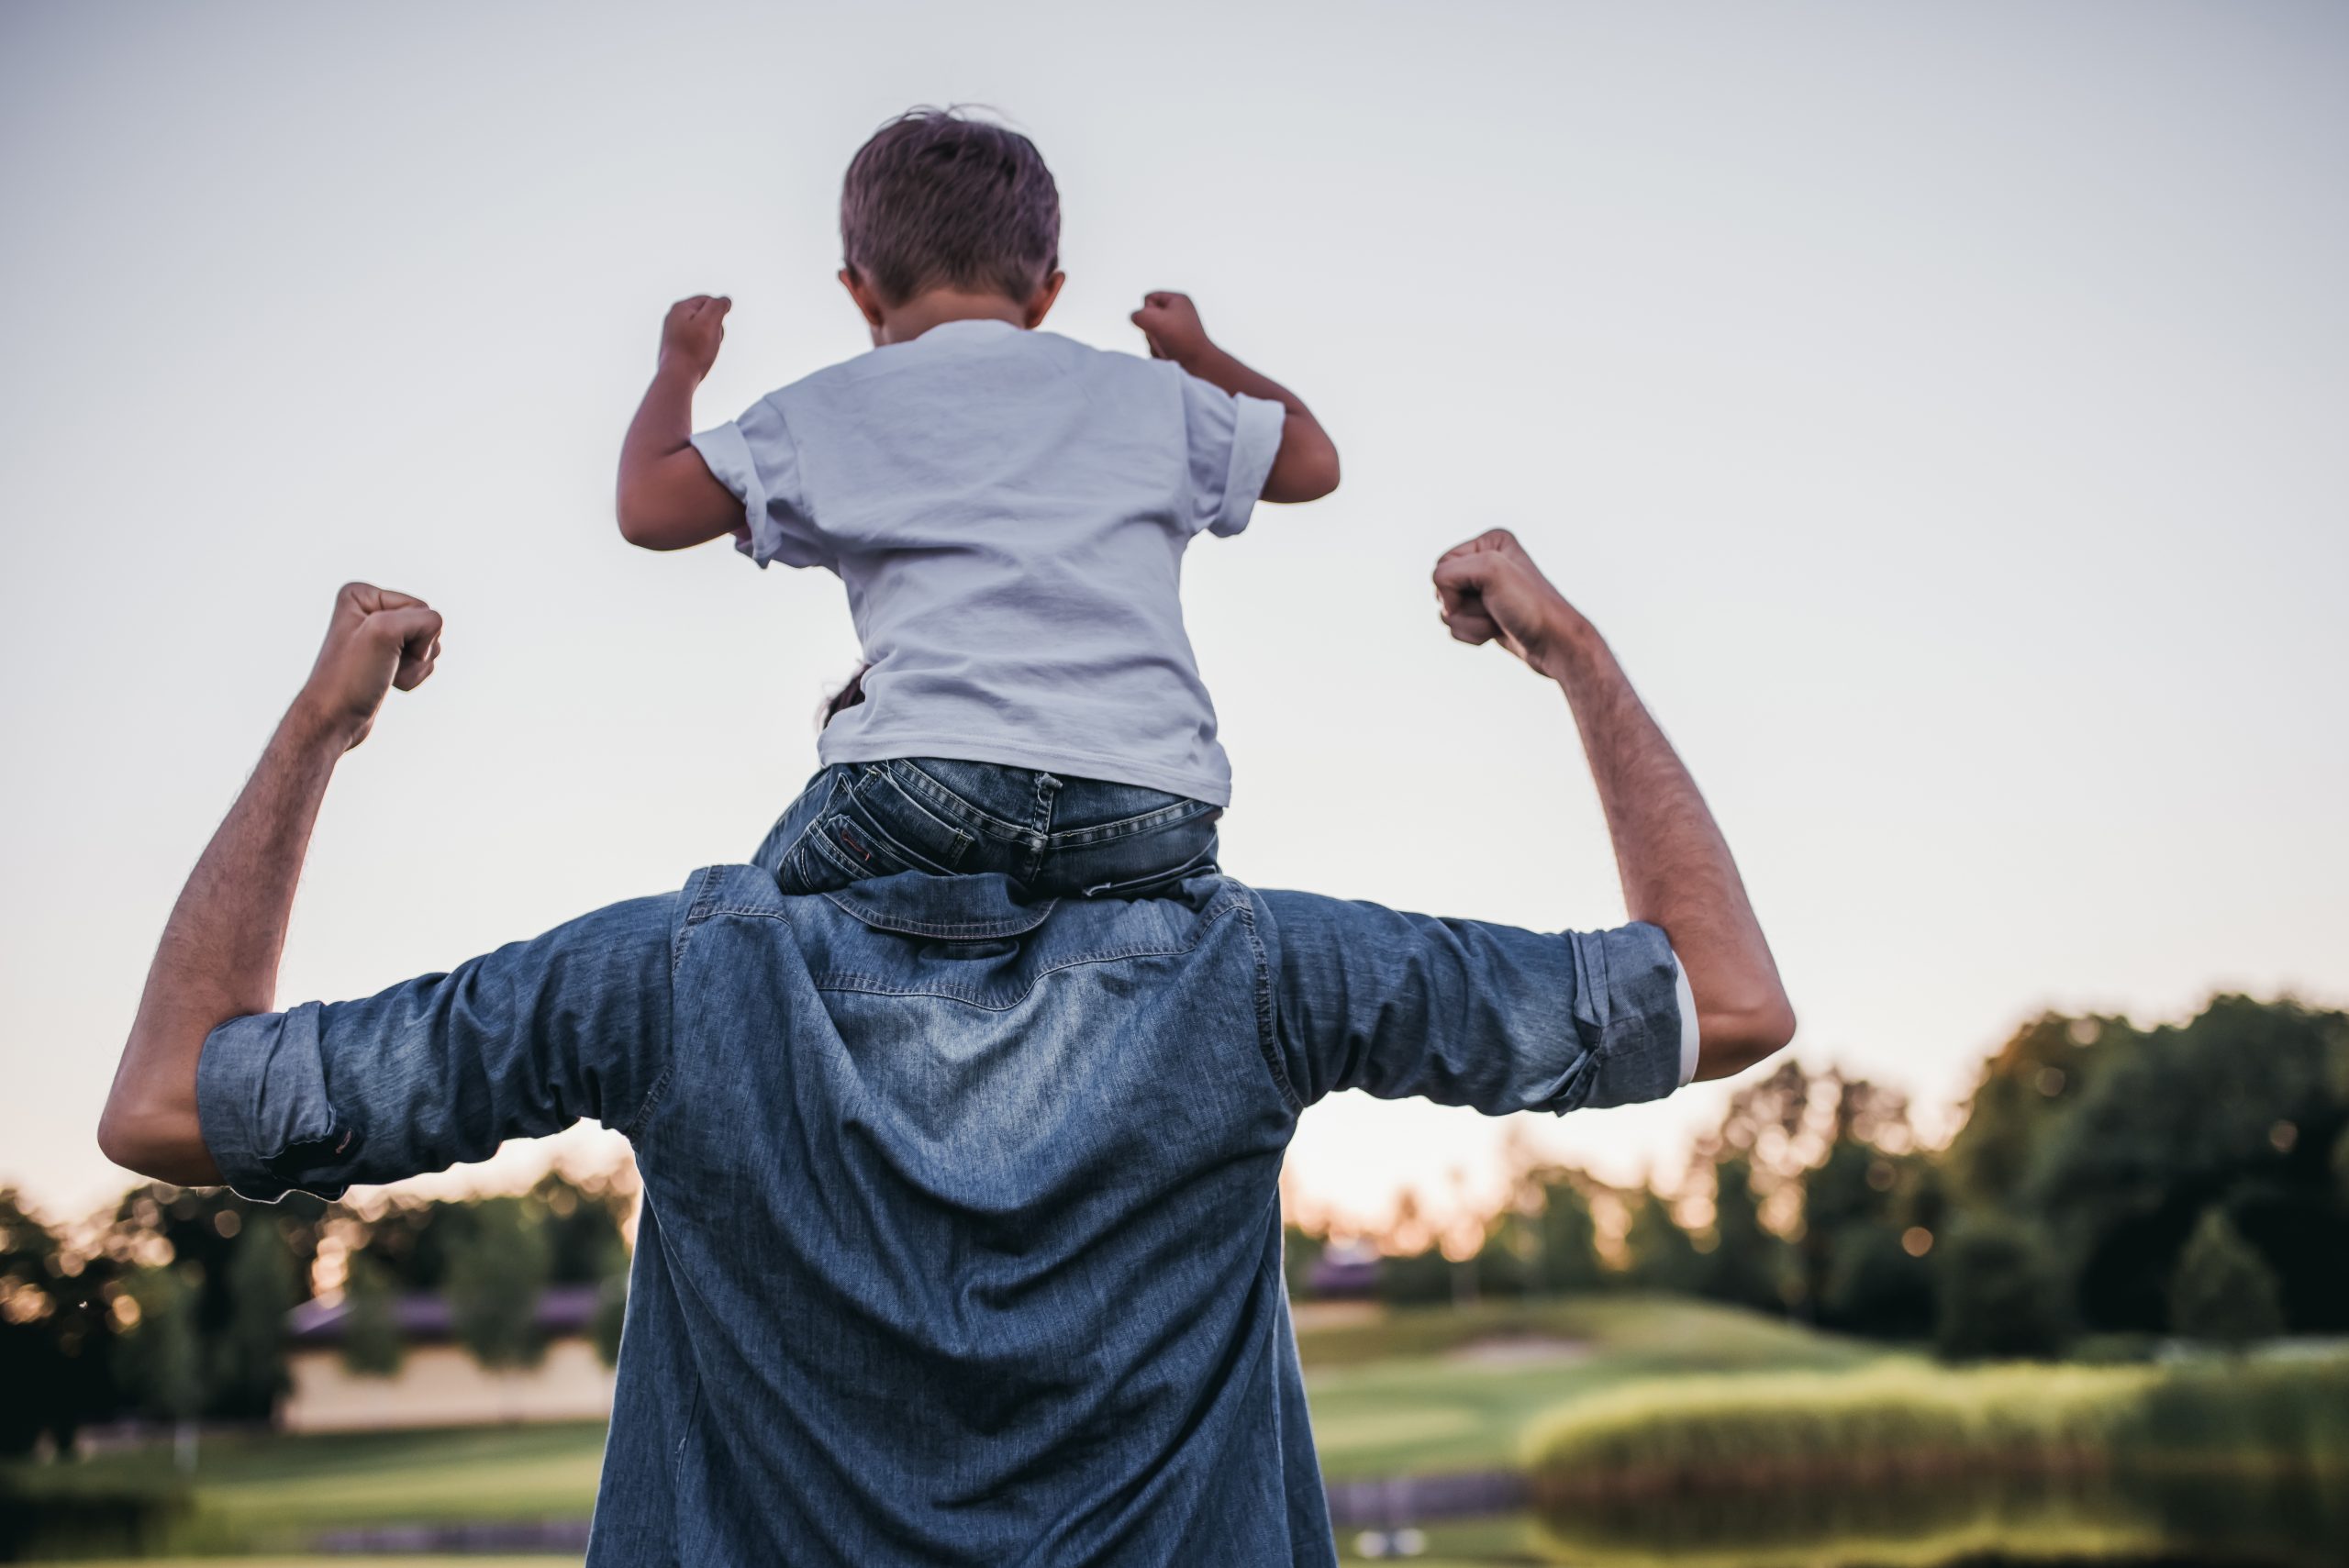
{"x": 1306, "y": 468}
{"x": 668, "y": 498}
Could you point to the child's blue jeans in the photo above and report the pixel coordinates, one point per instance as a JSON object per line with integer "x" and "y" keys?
{"x": 1052, "y": 837}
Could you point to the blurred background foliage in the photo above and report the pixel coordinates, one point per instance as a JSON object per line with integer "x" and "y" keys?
{"x": 173, "y": 1306}
{"x": 2108, "y": 1182}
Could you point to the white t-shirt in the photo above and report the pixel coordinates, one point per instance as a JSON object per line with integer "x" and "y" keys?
{"x": 1008, "y": 510}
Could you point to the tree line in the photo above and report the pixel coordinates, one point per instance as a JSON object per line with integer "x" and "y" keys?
{"x": 173, "y": 1308}
{"x": 2110, "y": 1186}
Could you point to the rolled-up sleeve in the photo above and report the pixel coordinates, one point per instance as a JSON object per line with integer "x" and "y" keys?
{"x": 756, "y": 458}
{"x": 1465, "y": 1013}
{"x": 518, "y": 1043}
{"x": 1232, "y": 441}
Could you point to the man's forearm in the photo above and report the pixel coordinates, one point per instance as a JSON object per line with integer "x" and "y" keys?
{"x": 1677, "y": 868}
{"x": 218, "y": 956}
{"x": 217, "y": 960}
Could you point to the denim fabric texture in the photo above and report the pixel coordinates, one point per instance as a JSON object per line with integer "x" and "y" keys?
{"x": 1052, "y": 836}
{"x": 961, "y": 1239}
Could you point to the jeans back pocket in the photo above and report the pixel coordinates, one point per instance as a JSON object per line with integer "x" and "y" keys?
{"x": 876, "y": 829}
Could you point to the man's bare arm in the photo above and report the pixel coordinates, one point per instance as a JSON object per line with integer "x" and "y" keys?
{"x": 668, "y": 497}
{"x": 1305, "y": 468}
{"x": 218, "y": 957}
{"x": 1677, "y": 868}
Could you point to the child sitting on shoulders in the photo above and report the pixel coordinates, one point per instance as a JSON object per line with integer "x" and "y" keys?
{"x": 1008, "y": 509}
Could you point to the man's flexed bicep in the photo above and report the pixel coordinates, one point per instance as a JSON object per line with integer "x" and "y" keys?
{"x": 438, "y": 1070}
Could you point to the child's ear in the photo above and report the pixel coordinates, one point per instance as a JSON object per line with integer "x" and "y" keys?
{"x": 1040, "y": 304}
{"x": 861, "y": 292}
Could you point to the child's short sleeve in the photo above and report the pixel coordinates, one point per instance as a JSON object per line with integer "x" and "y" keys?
{"x": 755, "y": 457}
{"x": 1233, "y": 439}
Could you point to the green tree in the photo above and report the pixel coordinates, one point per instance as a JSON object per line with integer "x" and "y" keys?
{"x": 1566, "y": 1255}
{"x": 1747, "y": 1266}
{"x": 373, "y": 1345}
{"x": 2223, "y": 1290}
{"x": 2029, "y": 1087}
{"x": 1853, "y": 1189}
{"x": 1300, "y": 1250}
{"x": 583, "y": 1228}
{"x": 162, "y": 1358}
{"x": 1770, "y": 1124}
{"x": 611, "y": 1316}
{"x": 1424, "y": 1278}
{"x": 495, "y": 1281}
{"x": 248, "y": 1372}
{"x": 1876, "y": 1286}
{"x": 1664, "y": 1256}
{"x": 1505, "y": 1262}
{"x": 415, "y": 1240}
{"x": 1998, "y": 1295}
{"x": 2237, "y": 1106}
{"x": 55, "y": 1338}
{"x": 245, "y": 1282}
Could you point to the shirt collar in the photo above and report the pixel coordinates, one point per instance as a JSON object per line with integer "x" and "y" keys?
{"x": 974, "y": 327}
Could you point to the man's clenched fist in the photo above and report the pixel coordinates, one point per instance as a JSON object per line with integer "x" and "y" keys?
{"x": 378, "y": 638}
{"x": 1490, "y": 590}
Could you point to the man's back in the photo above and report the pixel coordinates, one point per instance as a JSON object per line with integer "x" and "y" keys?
{"x": 917, "y": 1284}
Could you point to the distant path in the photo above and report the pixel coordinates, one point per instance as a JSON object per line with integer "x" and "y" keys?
{"x": 1386, "y": 1503}
{"x": 1415, "y": 1499}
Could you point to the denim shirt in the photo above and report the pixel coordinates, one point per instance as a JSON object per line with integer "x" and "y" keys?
{"x": 961, "y": 1239}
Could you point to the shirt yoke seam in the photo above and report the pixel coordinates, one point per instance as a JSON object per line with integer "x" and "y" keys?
{"x": 1267, "y": 1027}
{"x": 878, "y": 984}
{"x": 697, "y": 910}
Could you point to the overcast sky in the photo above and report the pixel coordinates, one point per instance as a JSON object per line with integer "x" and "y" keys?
{"x": 1943, "y": 408}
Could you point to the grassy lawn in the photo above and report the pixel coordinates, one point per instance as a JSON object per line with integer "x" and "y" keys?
{"x": 1409, "y": 1393}
{"x": 269, "y": 1486}
{"x": 1423, "y": 1393}
{"x": 1412, "y": 1395}
{"x": 274, "y": 1492}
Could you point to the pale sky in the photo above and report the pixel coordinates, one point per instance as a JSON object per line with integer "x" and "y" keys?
{"x": 1945, "y": 409}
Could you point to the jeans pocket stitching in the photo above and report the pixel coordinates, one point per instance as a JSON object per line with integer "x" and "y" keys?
{"x": 960, "y": 836}
{"x": 914, "y": 783}
{"x": 1165, "y": 818}
{"x": 818, "y": 843}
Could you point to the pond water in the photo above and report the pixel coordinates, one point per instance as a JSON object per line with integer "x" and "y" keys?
{"x": 2239, "y": 1520}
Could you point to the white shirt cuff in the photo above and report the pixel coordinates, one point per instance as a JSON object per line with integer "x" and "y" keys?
{"x": 726, "y": 455}
{"x": 1688, "y": 1020}
{"x": 1256, "y": 434}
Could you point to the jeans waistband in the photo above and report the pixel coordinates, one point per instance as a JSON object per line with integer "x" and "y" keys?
{"x": 1022, "y": 804}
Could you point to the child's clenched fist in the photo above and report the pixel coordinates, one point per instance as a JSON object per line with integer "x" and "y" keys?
{"x": 1171, "y": 322}
{"x": 695, "y": 327}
